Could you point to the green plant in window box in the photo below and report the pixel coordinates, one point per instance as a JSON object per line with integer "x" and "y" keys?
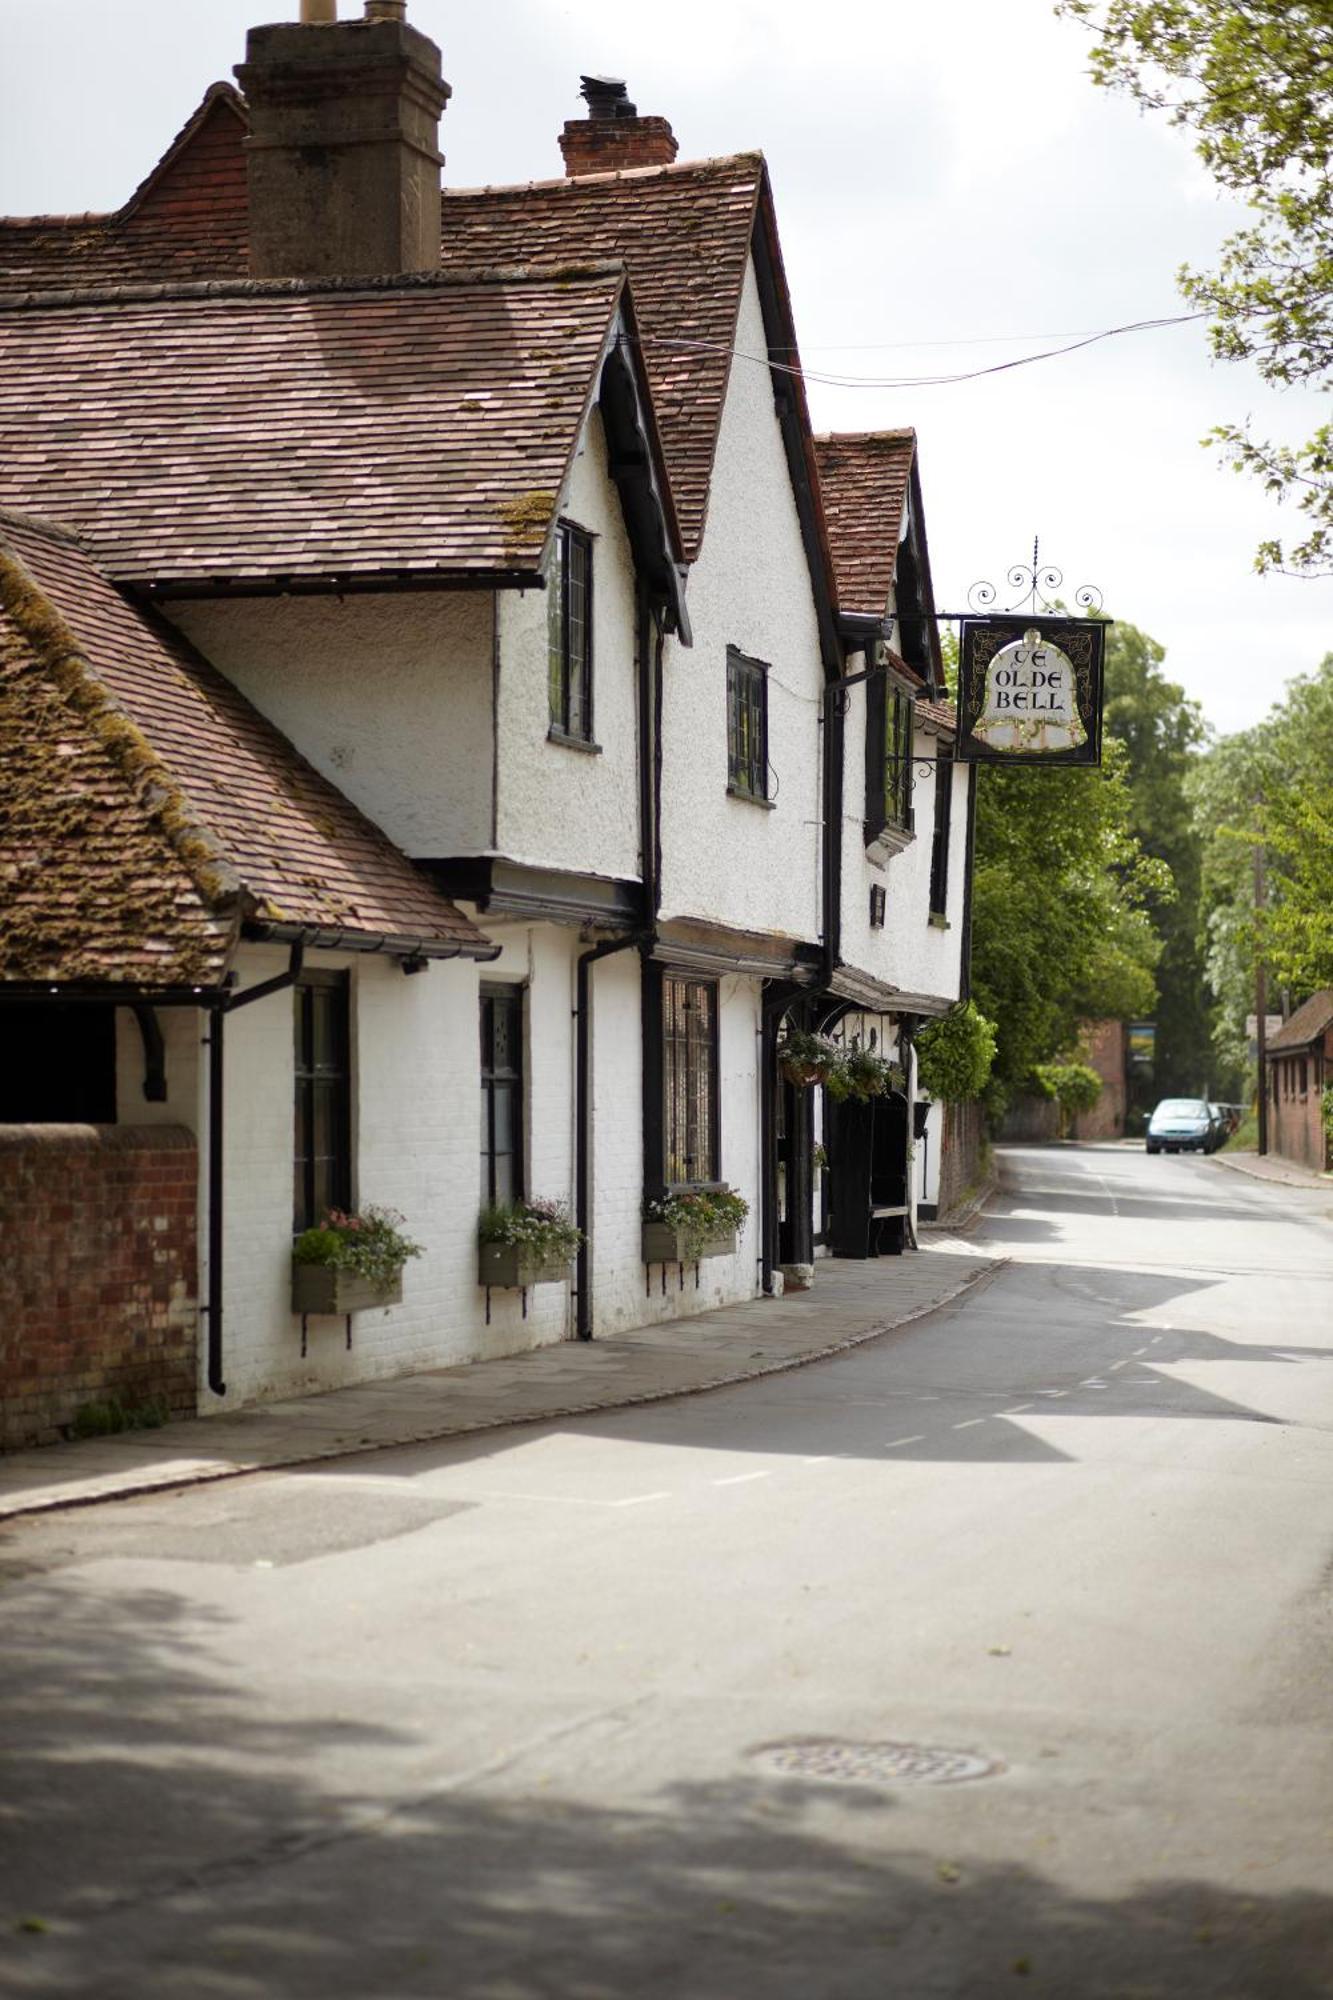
{"x": 521, "y": 1243}
{"x": 690, "y": 1223}
{"x": 349, "y": 1263}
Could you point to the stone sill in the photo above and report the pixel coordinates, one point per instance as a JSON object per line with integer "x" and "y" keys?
{"x": 567, "y": 742}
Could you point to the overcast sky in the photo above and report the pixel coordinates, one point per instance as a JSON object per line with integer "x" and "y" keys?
{"x": 952, "y": 192}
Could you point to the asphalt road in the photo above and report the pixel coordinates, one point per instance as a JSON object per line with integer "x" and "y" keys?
{"x": 993, "y": 1657}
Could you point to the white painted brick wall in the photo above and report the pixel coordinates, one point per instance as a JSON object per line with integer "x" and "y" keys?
{"x": 415, "y": 1148}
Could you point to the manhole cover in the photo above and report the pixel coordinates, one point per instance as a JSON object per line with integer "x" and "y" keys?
{"x": 839, "y": 1762}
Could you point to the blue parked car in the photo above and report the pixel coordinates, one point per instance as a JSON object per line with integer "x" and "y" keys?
{"x": 1184, "y": 1125}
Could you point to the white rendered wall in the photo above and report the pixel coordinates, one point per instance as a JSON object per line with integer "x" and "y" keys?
{"x": 910, "y": 952}
{"x": 928, "y": 1156}
{"x": 183, "y": 1029}
{"x": 559, "y": 806}
{"x": 723, "y": 858}
{"x": 388, "y": 694}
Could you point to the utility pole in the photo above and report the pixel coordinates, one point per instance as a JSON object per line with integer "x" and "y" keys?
{"x": 1261, "y": 996}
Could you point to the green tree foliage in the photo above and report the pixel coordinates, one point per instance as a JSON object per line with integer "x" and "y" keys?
{"x": 1253, "y": 80}
{"x": 1271, "y": 786}
{"x": 1162, "y": 731}
{"x": 955, "y": 1054}
{"x": 1074, "y": 1086}
{"x": 1061, "y": 929}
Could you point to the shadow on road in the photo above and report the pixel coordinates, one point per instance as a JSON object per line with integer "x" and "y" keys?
{"x": 176, "y": 1847}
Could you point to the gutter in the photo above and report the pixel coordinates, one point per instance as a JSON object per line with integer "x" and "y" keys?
{"x": 395, "y": 944}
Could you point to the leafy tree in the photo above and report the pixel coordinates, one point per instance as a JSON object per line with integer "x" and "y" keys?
{"x": 1074, "y": 1086}
{"x": 1061, "y": 931}
{"x": 1253, "y": 80}
{"x": 1162, "y": 731}
{"x": 1270, "y": 787}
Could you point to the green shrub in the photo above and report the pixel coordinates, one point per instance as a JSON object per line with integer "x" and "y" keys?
{"x": 954, "y": 1054}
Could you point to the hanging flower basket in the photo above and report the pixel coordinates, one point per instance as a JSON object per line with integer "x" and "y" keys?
{"x": 807, "y": 1059}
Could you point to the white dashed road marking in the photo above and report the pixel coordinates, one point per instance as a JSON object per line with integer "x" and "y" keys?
{"x": 968, "y": 1422}
{"x": 893, "y": 1443}
{"x": 742, "y": 1478}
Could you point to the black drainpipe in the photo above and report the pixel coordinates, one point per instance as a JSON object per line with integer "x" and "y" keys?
{"x": 218, "y": 1012}
{"x": 582, "y": 1122}
{"x": 216, "y": 1016}
{"x": 774, "y": 1005}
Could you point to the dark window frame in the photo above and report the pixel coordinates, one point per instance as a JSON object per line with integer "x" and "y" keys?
{"x": 569, "y": 635}
{"x": 682, "y": 1096}
{"x": 510, "y": 994}
{"x": 890, "y": 745}
{"x": 747, "y": 726}
{"x": 309, "y": 1074}
{"x": 939, "y": 849}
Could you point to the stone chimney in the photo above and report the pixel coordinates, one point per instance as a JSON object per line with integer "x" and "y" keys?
{"x": 343, "y": 159}
{"x": 613, "y": 135}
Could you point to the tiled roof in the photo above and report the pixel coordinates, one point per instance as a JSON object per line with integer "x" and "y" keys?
{"x": 683, "y": 230}
{"x": 186, "y": 220}
{"x": 1307, "y": 1024}
{"x": 942, "y": 716}
{"x": 149, "y": 807}
{"x": 864, "y": 476}
{"x": 258, "y": 432}
{"x": 684, "y": 234}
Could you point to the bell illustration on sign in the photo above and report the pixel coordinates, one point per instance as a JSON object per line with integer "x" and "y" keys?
{"x": 1031, "y": 699}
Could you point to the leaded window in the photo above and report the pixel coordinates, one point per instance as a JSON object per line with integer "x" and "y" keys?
{"x": 939, "y": 853}
{"x": 322, "y": 1164}
{"x": 747, "y": 726}
{"x": 569, "y": 633}
{"x": 501, "y": 1093}
{"x": 889, "y": 744}
{"x": 689, "y": 1031}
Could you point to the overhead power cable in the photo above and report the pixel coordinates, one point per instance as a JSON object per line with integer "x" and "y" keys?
{"x": 839, "y": 381}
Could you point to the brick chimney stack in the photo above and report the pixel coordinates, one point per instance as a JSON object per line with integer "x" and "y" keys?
{"x": 343, "y": 159}
{"x": 613, "y": 135}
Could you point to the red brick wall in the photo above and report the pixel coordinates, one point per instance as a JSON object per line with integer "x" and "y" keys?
{"x": 960, "y": 1152}
{"x": 98, "y": 1275}
{"x": 1104, "y": 1046}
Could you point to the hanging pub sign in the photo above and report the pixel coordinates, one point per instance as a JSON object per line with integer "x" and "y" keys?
{"x": 1030, "y": 689}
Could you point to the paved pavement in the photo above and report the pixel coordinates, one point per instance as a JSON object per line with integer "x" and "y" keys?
{"x": 1273, "y": 1168}
{"x": 848, "y": 1303}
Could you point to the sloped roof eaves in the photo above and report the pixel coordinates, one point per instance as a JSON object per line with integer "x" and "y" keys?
{"x": 1310, "y": 1021}
{"x": 219, "y": 434}
{"x": 263, "y": 822}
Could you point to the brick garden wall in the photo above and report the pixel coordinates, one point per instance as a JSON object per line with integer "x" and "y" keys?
{"x": 960, "y": 1152}
{"x": 98, "y": 1272}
